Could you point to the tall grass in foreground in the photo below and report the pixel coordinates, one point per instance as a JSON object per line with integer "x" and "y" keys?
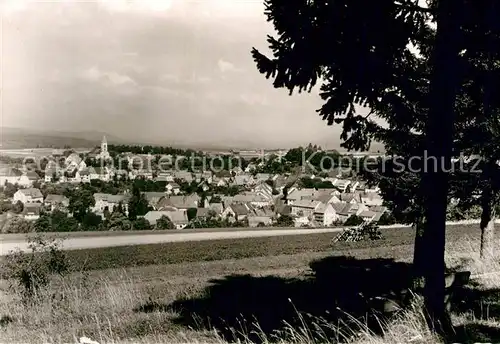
{"x": 102, "y": 308}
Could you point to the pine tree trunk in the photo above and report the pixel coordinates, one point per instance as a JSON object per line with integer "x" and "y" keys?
{"x": 419, "y": 255}
{"x": 439, "y": 136}
{"x": 487, "y": 226}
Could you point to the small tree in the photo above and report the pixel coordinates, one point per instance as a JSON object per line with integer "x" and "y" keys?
{"x": 285, "y": 221}
{"x": 354, "y": 220}
{"x": 18, "y": 207}
{"x": 386, "y": 219}
{"x": 141, "y": 224}
{"x": 31, "y": 271}
{"x": 191, "y": 213}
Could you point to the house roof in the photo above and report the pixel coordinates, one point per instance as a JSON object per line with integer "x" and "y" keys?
{"x": 110, "y": 198}
{"x": 249, "y": 197}
{"x": 32, "y": 209}
{"x": 203, "y": 212}
{"x": 179, "y": 202}
{"x": 153, "y": 197}
{"x": 31, "y": 192}
{"x": 322, "y": 207}
{"x": 378, "y": 208}
{"x": 309, "y": 204}
{"x": 240, "y": 209}
{"x": 84, "y": 172}
{"x": 177, "y": 217}
{"x": 52, "y": 198}
{"x": 348, "y": 197}
{"x": 367, "y": 214}
{"x": 32, "y": 175}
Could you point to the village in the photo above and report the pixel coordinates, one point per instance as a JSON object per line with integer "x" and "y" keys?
{"x": 233, "y": 197}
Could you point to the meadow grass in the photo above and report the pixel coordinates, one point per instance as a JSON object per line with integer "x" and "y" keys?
{"x": 100, "y": 299}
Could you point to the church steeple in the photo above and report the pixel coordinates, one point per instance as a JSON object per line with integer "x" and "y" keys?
{"x": 104, "y": 145}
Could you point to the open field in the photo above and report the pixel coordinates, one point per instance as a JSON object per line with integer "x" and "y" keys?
{"x": 178, "y": 252}
{"x": 35, "y": 152}
{"x": 149, "y": 294}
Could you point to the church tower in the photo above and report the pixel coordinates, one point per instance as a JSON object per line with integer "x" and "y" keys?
{"x": 104, "y": 146}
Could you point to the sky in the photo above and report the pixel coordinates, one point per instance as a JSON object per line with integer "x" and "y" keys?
{"x": 159, "y": 71}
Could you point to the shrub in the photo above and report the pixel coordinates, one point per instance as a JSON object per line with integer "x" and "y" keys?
{"x": 17, "y": 224}
{"x": 164, "y": 222}
{"x": 365, "y": 231}
{"x": 141, "y": 224}
{"x": 354, "y": 220}
{"x": 30, "y": 271}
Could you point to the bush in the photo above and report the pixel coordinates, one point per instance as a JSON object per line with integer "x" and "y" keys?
{"x": 29, "y": 272}
{"x": 365, "y": 231}
{"x": 354, "y": 220}
{"x": 164, "y": 222}
{"x": 386, "y": 219}
{"x": 141, "y": 224}
{"x": 17, "y": 224}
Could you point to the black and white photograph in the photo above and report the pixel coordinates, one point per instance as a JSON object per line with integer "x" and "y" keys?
{"x": 249, "y": 171}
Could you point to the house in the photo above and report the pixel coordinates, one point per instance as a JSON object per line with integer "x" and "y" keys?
{"x": 237, "y": 212}
{"x": 108, "y": 201}
{"x": 180, "y": 202}
{"x": 165, "y": 176}
{"x": 172, "y": 188}
{"x": 301, "y": 221}
{"x": 28, "y": 179}
{"x": 31, "y": 211}
{"x": 263, "y": 189}
{"x": 83, "y": 175}
{"x": 304, "y": 208}
{"x": 242, "y": 180}
{"x": 260, "y": 217}
{"x": 372, "y": 199}
{"x": 183, "y": 176}
{"x": 56, "y": 202}
{"x": 50, "y": 174}
{"x": 27, "y": 196}
{"x": 262, "y": 177}
{"x": 204, "y": 213}
{"x": 178, "y": 218}
{"x": 294, "y": 195}
{"x": 350, "y": 198}
{"x": 101, "y": 173}
{"x": 255, "y": 199}
{"x": 368, "y": 215}
{"x": 10, "y": 175}
{"x": 342, "y": 184}
{"x": 161, "y": 178}
{"x": 345, "y": 210}
{"x": 325, "y": 215}
{"x": 74, "y": 162}
{"x": 153, "y": 197}
{"x": 378, "y": 208}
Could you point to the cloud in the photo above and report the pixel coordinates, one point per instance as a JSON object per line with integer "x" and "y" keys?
{"x": 111, "y": 78}
{"x": 225, "y": 66}
{"x": 137, "y": 5}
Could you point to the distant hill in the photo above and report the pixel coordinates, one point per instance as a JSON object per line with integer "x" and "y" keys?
{"x": 12, "y": 138}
